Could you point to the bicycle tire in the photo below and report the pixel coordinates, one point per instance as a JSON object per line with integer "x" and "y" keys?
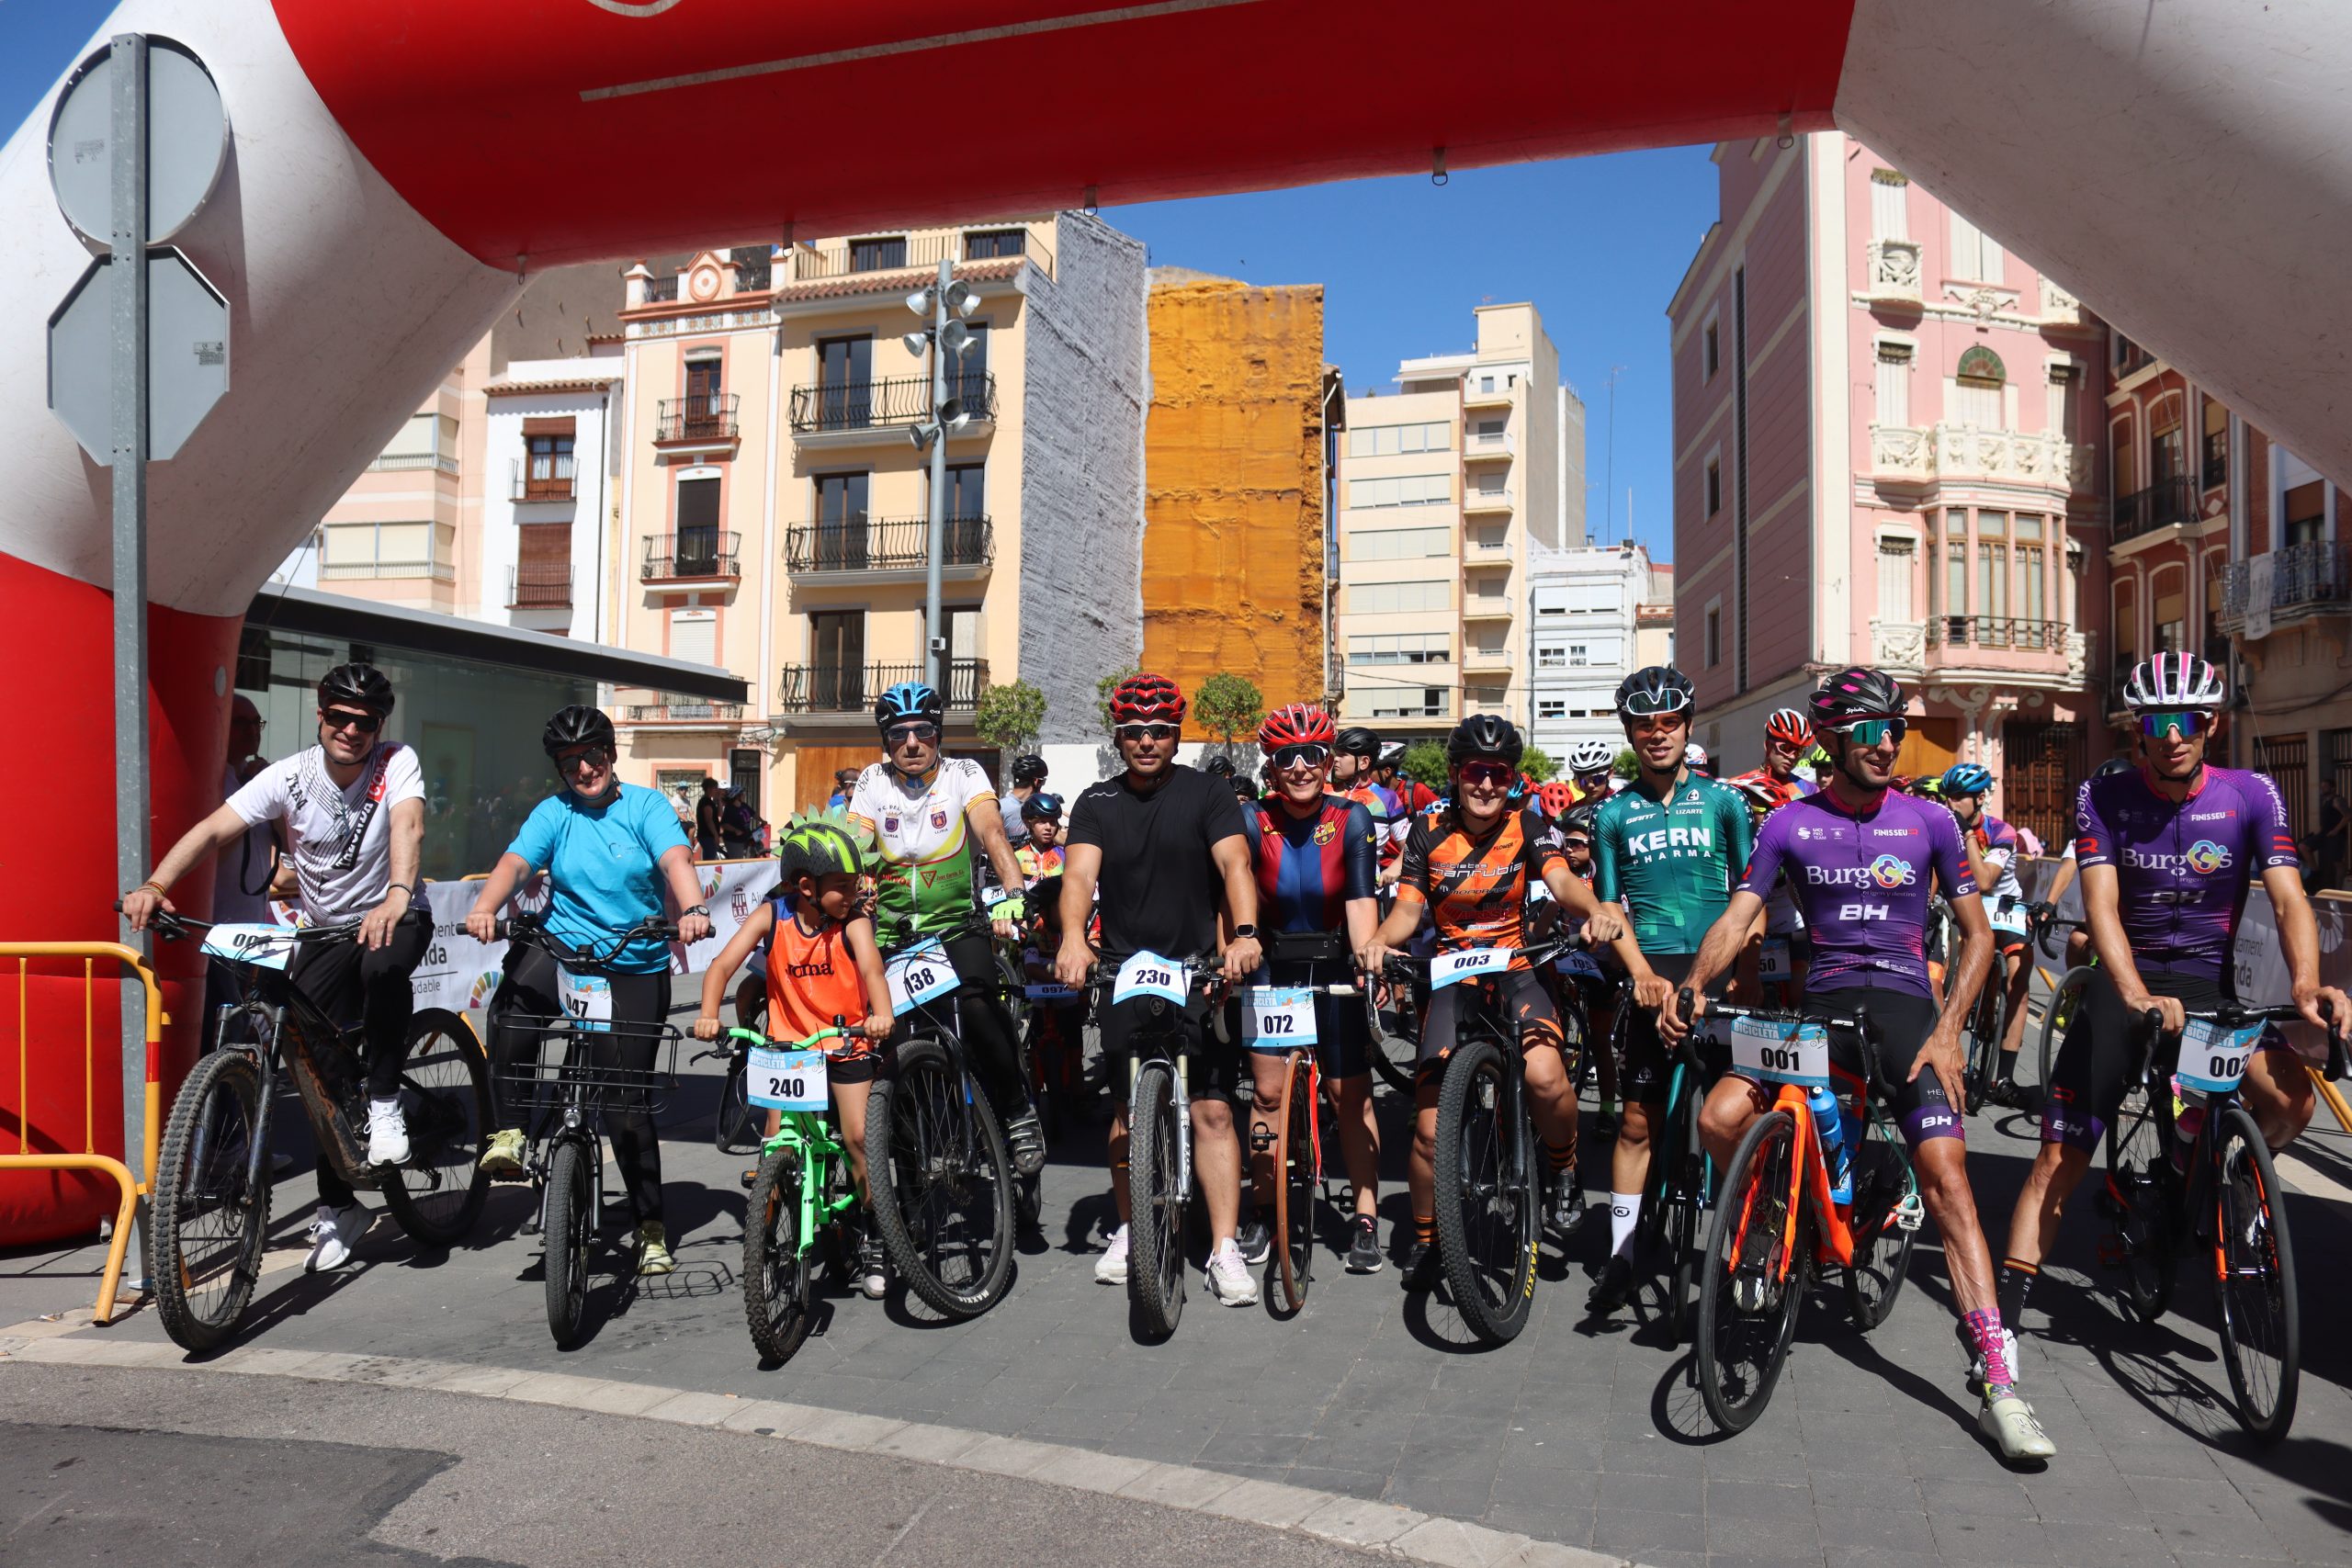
{"x": 1155, "y": 1212}
{"x": 1984, "y": 1041}
{"x": 2254, "y": 1289}
{"x": 1298, "y": 1164}
{"x": 2134, "y": 1200}
{"x": 1682, "y": 1234}
{"x": 941, "y": 1180}
{"x": 2057, "y": 1016}
{"x": 569, "y": 1236}
{"x": 739, "y": 1127}
{"x": 438, "y": 1194}
{"x": 1755, "y": 1188}
{"x": 1488, "y": 1222}
{"x": 202, "y": 1169}
{"x": 1396, "y": 1054}
{"x": 776, "y": 1304}
{"x": 1882, "y": 1259}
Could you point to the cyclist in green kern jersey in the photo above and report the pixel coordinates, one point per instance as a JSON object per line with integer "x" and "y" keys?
{"x": 929, "y": 814}
{"x": 1666, "y": 852}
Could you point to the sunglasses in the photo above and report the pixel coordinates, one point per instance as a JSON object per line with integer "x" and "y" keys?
{"x": 1871, "y": 731}
{"x": 900, "y": 734}
{"x": 1487, "y": 774}
{"x": 1147, "y": 732}
{"x": 2186, "y": 725}
{"x": 1306, "y": 754}
{"x": 343, "y": 718}
{"x": 594, "y": 756}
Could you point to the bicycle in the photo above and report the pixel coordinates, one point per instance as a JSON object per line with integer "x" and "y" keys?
{"x": 803, "y": 1186}
{"x": 564, "y": 1099}
{"x": 2223, "y": 1193}
{"x": 2065, "y": 997}
{"x": 1776, "y": 1217}
{"x": 211, "y": 1181}
{"x": 1681, "y": 1177}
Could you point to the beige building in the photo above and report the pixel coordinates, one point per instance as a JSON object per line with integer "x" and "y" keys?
{"x": 1445, "y": 487}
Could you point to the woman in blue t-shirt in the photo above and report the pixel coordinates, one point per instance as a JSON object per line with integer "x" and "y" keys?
{"x": 610, "y": 850}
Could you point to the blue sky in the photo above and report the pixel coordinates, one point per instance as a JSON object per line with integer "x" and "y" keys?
{"x": 1598, "y": 244}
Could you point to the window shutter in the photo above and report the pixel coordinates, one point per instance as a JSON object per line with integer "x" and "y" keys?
{"x": 694, "y": 636}
{"x": 548, "y": 426}
{"x": 697, "y": 503}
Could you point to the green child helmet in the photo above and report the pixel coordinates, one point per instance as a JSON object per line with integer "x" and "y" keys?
{"x": 821, "y": 843}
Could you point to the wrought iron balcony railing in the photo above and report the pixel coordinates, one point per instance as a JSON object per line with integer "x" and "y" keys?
{"x": 2160, "y": 505}
{"x": 692, "y": 552}
{"x": 852, "y": 688}
{"x": 898, "y": 401}
{"x": 891, "y": 544}
{"x": 709, "y": 416}
{"x": 538, "y": 587}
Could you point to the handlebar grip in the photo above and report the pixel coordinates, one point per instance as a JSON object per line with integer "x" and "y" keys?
{"x": 2336, "y": 1064}
{"x": 2151, "y": 1023}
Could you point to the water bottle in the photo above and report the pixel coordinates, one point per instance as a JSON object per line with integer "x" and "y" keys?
{"x": 1830, "y": 1123}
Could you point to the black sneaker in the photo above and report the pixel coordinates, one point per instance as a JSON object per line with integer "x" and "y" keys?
{"x": 2004, "y": 1092}
{"x": 1564, "y": 1214}
{"x": 1421, "y": 1266}
{"x": 1255, "y": 1241}
{"x": 1026, "y": 1142}
{"x": 1610, "y": 1292}
{"x": 1363, "y": 1254}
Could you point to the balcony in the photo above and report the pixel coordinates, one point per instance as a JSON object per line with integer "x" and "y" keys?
{"x": 1893, "y": 276}
{"x": 1474, "y": 396}
{"x": 1476, "y": 658}
{"x": 2003, "y": 632}
{"x": 889, "y": 544}
{"x": 2160, "y": 505}
{"x": 679, "y": 713}
{"x": 1996, "y": 643}
{"x": 706, "y": 422}
{"x": 1908, "y": 455}
{"x": 538, "y": 588}
{"x": 2305, "y": 580}
{"x": 914, "y": 253}
{"x": 1486, "y": 503}
{"x": 525, "y": 486}
{"x": 844, "y": 413}
{"x": 388, "y": 570}
{"x": 405, "y": 462}
{"x": 1486, "y": 607}
{"x": 1488, "y": 448}
{"x": 696, "y": 555}
{"x": 850, "y": 690}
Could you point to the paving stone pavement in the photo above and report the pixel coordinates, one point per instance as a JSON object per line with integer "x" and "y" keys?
{"x": 1583, "y": 1434}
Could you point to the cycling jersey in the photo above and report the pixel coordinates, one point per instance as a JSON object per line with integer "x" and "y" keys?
{"x": 1308, "y": 868}
{"x": 2182, "y": 868}
{"x": 1036, "y": 865}
{"x": 1475, "y": 887}
{"x": 1997, "y": 842}
{"x": 1782, "y": 917}
{"x": 812, "y": 977}
{"x": 1671, "y": 863}
{"x": 925, "y": 883}
{"x": 1863, "y": 883}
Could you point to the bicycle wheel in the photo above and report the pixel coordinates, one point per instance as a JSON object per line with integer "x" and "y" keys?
{"x": 1984, "y": 1021}
{"x": 741, "y": 1127}
{"x": 1754, "y": 1278}
{"x": 570, "y": 1239}
{"x": 1884, "y": 1186}
{"x": 1298, "y": 1164}
{"x": 941, "y": 1180}
{"x": 2134, "y": 1199}
{"x": 1154, "y": 1203}
{"x": 2058, "y": 1016}
{"x": 1486, "y": 1218}
{"x": 776, "y": 1258}
{"x": 1395, "y": 1053}
{"x": 209, "y": 1218}
{"x": 445, "y": 1089}
{"x": 2262, "y": 1340}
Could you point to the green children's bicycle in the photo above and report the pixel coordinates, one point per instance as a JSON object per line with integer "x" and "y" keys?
{"x": 803, "y": 1187}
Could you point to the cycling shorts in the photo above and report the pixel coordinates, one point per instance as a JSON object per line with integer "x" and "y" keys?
{"x": 1214, "y": 1055}
{"x": 2106, "y": 1050}
{"x": 1647, "y": 1066}
{"x": 1526, "y": 1001}
{"x": 1900, "y": 1022}
{"x": 1343, "y": 1026}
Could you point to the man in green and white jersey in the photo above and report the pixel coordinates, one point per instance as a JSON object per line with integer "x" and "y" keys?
{"x": 1666, "y": 852}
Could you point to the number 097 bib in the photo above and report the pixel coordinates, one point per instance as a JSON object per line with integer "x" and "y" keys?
{"x": 1780, "y": 1052}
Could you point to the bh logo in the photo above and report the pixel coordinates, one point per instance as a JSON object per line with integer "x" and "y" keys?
{"x": 2205, "y": 857}
{"x": 1889, "y": 870}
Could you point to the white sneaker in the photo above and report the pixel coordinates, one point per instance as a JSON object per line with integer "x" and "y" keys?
{"x": 332, "y": 1236}
{"x": 1229, "y": 1276}
{"x": 1110, "y": 1269}
{"x": 2009, "y": 1421}
{"x": 387, "y": 1133}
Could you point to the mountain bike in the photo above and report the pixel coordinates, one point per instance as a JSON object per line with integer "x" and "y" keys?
{"x": 2222, "y": 1193}
{"x": 1281, "y": 1021}
{"x": 802, "y": 1189}
{"x": 563, "y": 1094}
{"x": 211, "y": 1187}
{"x": 1776, "y": 1220}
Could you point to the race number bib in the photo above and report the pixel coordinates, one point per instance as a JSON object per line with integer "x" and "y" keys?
{"x": 1580, "y": 964}
{"x": 787, "y": 1080}
{"x": 1773, "y": 964}
{"x": 2007, "y": 916}
{"x": 2212, "y": 1059}
{"x": 586, "y": 999}
{"x": 1049, "y": 992}
{"x": 1447, "y": 968}
{"x": 1780, "y": 1052}
{"x": 264, "y": 947}
{"x": 1148, "y": 974}
{"x": 919, "y": 974}
{"x": 1279, "y": 1018}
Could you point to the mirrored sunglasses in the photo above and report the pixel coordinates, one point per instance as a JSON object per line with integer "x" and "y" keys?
{"x": 1871, "y": 731}
{"x": 1306, "y": 754}
{"x": 594, "y": 756}
{"x": 899, "y": 734}
{"x": 1487, "y": 773}
{"x": 1147, "y": 732}
{"x": 343, "y": 718}
{"x": 2185, "y": 725}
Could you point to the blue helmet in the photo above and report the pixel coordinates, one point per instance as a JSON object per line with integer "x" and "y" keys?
{"x": 909, "y": 700}
{"x": 1967, "y": 778}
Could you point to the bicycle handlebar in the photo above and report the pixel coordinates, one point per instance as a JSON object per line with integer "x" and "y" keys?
{"x": 2233, "y": 1016}
{"x": 527, "y": 930}
{"x": 174, "y": 927}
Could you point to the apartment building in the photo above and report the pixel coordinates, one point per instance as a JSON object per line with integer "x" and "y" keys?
{"x": 1446, "y": 487}
{"x": 1888, "y": 451}
{"x": 1585, "y": 635}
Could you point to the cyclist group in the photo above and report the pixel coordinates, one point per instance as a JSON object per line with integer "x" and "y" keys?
{"x": 1679, "y": 883}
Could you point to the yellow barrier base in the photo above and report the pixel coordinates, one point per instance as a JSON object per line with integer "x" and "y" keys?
{"x": 111, "y": 1280}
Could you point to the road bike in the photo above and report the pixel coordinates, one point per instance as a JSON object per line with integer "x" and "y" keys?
{"x": 1777, "y": 1219}
{"x": 2065, "y": 996}
{"x": 1681, "y": 1177}
{"x": 802, "y": 1190}
{"x": 212, "y": 1186}
{"x": 2219, "y": 1192}
{"x": 563, "y": 1096}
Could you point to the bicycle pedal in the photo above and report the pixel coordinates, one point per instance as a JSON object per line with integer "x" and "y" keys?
{"x": 2113, "y": 1253}
{"x": 1910, "y": 1212}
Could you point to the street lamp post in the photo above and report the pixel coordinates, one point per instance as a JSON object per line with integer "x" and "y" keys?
{"x": 943, "y": 304}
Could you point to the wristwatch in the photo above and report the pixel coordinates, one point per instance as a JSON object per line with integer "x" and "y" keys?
{"x": 703, "y": 910}
{"x": 1248, "y": 933}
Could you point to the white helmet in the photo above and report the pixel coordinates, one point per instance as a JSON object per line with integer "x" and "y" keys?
{"x": 2174, "y": 680}
{"x": 1591, "y": 756}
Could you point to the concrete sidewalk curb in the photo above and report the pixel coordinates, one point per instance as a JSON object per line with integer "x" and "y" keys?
{"x": 1356, "y": 1522}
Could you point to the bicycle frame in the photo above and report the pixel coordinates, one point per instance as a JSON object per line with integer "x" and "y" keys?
{"x": 807, "y": 1135}
{"x": 1809, "y": 1177}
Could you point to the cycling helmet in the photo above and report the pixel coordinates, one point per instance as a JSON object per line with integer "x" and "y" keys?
{"x": 1391, "y": 755}
{"x": 1788, "y": 727}
{"x": 1029, "y": 770}
{"x": 1042, "y": 807}
{"x": 1763, "y": 792}
{"x": 1661, "y": 688}
{"x": 2174, "y": 680}
{"x": 1929, "y": 787}
{"x": 909, "y": 700}
{"x": 2115, "y": 765}
{"x": 1558, "y": 797}
{"x": 1591, "y": 756}
{"x": 1301, "y": 724}
{"x": 1967, "y": 778}
{"x": 1816, "y": 758}
{"x": 1854, "y": 695}
{"x": 1361, "y": 742}
{"x": 818, "y": 846}
{"x": 1694, "y": 757}
{"x": 1580, "y": 818}
{"x": 577, "y": 726}
{"x": 1481, "y": 735}
{"x": 1147, "y": 699}
{"x": 358, "y": 686}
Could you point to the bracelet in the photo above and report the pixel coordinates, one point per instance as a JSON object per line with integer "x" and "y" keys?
{"x": 402, "y": 886}
{"x": 160, "y": 889}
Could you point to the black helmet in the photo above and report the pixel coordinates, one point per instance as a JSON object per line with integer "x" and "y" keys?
{"x": 1580, "y": 818}
{"x": 1028, "y": 769}
{"x": 356, "y": 686}
{"x": 1358, "y": 742}
{"x": 1042, "y": 805}
{"x": 577, "y": 726}
{"x": 1221, "y": 766}
{"x": 2115, "y": 765}
{"x": 1391, "y": 755}
{"x": 1659, "y": 689}
{"x": 1484, "y": 734}
{"x": 1855, "y": 694}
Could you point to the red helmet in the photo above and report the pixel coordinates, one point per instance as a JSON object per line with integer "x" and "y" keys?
{"x": 1556, "y": 797}
{"x": 1147, "y": 699}
{"x": 1788, "y": 727}
{"x": 1301, "y": 724}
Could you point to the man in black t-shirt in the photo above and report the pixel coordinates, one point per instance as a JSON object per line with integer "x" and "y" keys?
{"x": 1164, "y": 845}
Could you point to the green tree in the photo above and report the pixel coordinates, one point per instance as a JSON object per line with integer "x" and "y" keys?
{"x": 1424, "y": 762}
{"x": 1227, "y": 706}
{"x": 1010, "y": 718}
{"x": 1626, "y": 766}
{"x": 1103, "y": 690}
{"x": 1537, "y": 764}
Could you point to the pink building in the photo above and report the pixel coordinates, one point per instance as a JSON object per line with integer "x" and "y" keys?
{"x": 1887, "y": 438}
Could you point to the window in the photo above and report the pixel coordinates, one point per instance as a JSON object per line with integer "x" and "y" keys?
{"x": 2032, "y": 600}
{"x": 1714, "y": 486}
{"x": 2168, "y": 594}
{"x": 1551, "y": 707}
{"x": 389, "y": 550}
{"x": 1975, "y": 258}
{"x": 837, "y": 660}
{"x": 1993, "y": 570}
{"x": 547, "y": 461}
{"x": 704, "y": 385}
{"x": 993, "y": 245}
{"x": 1552, "y": 658}
{"x": 967, "y": 373}
{"x": 1486, "y": 383}
{"x": 1399, "y": 544}
{"x": 1888, "y": 194}
{"x": 1404, "y": 647}
{"x": 1895, "y": 555}
{"x": 427, "y": 441}
{"x": 694, "y": 636}
{"x": 1976, "y": 389}
{"x": 841, "y": 538}
{"x": 1393, "y": 598}
{"x": 1388, "y": 440}
{"x": 1410, "y": 490}
{"x": 1579, "y": 655}
{"x": 1423, "y": 701}
{"x": 877, "y": 255}
{"x": 2063, "y": 412}
{"x": 2165, "y": 452}
{"x": 2216, "y": 453}
{"x": 1491, "y": 430}
{"x": 1894, "y": 385}
{"x": 2126, "y": 624}
{"x": 1715, "y": 635}
{"x": 1711, "y": 354}
{"x": 2305, "y": 510}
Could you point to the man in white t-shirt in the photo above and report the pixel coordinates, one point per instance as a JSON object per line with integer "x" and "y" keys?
{"x": 352, "y": 811}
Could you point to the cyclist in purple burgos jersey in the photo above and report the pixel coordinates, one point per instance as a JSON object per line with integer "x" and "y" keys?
{"x": 2183, "y": 868}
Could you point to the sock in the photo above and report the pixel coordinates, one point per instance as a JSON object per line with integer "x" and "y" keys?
{"x": 1985, "y": 1327}
{"x": 2016, "y": 1279}
{"x": 1624, "y": 1207}
{"x": 2007, "y": 1071}
{"x": 1609, "y": 1105}
{"x": 1425, "y": 1229}
{"x": 1561, "y": 1156}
